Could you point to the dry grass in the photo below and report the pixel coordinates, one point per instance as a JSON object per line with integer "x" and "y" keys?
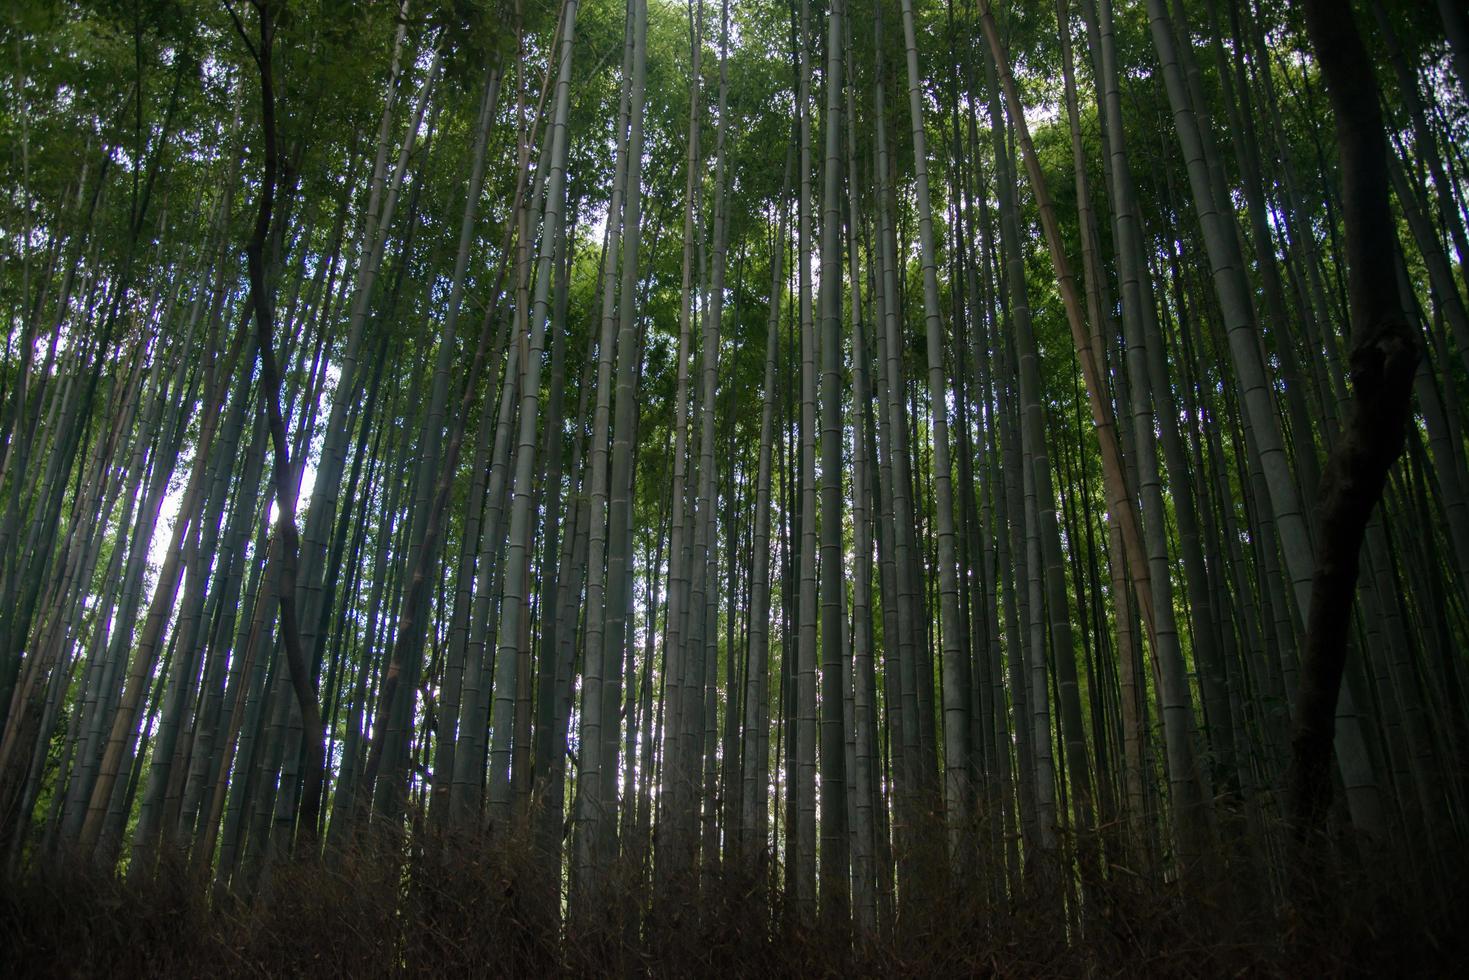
{"x": 469, "y": 908}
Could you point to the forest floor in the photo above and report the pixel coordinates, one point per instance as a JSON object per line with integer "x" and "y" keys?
{"x": 457, "y": 914}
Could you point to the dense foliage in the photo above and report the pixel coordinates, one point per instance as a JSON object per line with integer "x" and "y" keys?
{"x": 865, "y": 479}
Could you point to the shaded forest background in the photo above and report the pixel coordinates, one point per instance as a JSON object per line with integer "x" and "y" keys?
{"x": 505, "y": 486}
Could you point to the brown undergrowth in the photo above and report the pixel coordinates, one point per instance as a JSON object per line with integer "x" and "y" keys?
{"x": 460, "y": 907}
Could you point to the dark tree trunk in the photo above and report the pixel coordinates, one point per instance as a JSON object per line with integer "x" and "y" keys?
{"x": 262, "y": 305}
{"x": 1383, "y": 356}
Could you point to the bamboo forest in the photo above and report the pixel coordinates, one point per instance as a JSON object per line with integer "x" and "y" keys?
{"x": 734, "y": 487}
